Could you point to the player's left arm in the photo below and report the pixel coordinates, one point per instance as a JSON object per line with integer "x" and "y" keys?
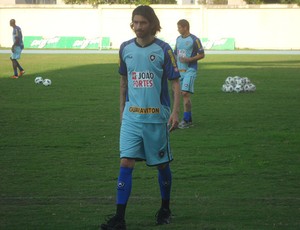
{"x": 174, "y": 118}
{"x": 123, "y": 90}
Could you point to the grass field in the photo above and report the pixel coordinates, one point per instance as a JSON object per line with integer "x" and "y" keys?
{"x": 237, "y": 168}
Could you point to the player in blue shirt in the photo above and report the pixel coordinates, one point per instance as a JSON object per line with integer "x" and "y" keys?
{"x": 16, "y": 49}
{"x": 188, "y": 51}
{"x": 146, "y": 66}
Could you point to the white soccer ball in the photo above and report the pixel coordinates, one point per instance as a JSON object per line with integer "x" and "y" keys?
{"x": 232, "y": 81}
{"x": 246, "y": 80}
{"x": 236, "y": 78}
{"x": 229, "y": 88}
{"x": 38, "y": 80}
{"x": 252, "y": 87}
{"x": 224, "y": 88}
{"x": 47, "y": 82}
{"x": 228, "y": 80}
{"x": 239, "y": 81}
{"x": 246, "y": 87}
{"x": 238, "y": 88}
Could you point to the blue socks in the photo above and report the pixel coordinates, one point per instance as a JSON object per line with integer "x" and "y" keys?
{"x": 124, "y": 185}
{"x": 165, "y": 182}
{"x": 123, "y": 190}
{"x": 187, "y": 116}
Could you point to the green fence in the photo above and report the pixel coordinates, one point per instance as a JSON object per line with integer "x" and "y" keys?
{"x": 210, "y": 44}
{"x": 60, "y": 42}
{"x": 218, "y": 44}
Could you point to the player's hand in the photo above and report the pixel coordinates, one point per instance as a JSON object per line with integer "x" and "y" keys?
{"x": 184, "y": 59}
{"x": 13, "y": 49}
{"x": 173, "y": 122}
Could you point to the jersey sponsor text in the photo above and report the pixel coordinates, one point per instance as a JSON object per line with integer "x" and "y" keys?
{"x": 143, "y": 79}
{"x": 144, "y": 110}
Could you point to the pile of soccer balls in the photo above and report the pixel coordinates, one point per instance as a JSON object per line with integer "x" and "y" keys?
{"x": 238, "y": 84}
{"x": 39, "y": 80}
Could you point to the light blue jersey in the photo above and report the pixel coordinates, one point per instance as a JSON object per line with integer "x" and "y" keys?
{"x": 18, "y": 46}
{"x": 17, "y": 33}
{"x": 148, "y": 70}
{"x": 187, "y": 47}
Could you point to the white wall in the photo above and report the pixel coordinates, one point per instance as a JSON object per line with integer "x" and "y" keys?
{"x": 49, "y": 22}
{"x": 268, "y": 28}
{"x": 253, "y": 27}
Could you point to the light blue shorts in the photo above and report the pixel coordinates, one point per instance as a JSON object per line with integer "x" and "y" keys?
{"x": 187, "y": 80}
{"x": 17, "y": 53}
{"x": 145, "y": 141}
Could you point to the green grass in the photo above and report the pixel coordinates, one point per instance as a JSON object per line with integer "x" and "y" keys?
{"x": 237, "y": 168}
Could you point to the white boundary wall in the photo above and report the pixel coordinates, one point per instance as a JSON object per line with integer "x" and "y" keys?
{"x": 252, "y": 27}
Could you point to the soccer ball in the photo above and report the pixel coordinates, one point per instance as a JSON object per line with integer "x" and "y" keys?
{"x": 238, "y": 88}
{"x": 246, "y": 87}
{"x": 229, "y": 89}
{"x": 236, "y": 78}
{"x": 246, "y": 80}
{"x": 237, "y": 84}
{"x": 228, "y": 80}
{"x": 47, "y": 82}
{"x": 38, "y": 80}
{"x": 239, "y": 81}
{"x": 232, "y": 81}
{"x": 224, "y": 88}
{"x": 252, "y": 87}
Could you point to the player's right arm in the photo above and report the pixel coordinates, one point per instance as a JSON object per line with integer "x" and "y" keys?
{"x": 123, "y": 91}
{"x": 174, "y": 118}
{"x": 15, "y": 44}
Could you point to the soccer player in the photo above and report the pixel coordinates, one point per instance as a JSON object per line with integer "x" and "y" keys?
{"x": 188, "y": 50}
{"x": 16, "y": 49}
{"x": 146, "y": 65}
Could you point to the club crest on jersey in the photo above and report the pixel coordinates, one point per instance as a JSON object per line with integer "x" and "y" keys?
{"x": 187, "y": 43}
{"x": 144, "y": 79}
{"x": 152, "y": 57}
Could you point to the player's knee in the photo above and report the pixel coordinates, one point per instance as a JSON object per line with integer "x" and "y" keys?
{"x": 127, "y": 163}
{"x": 160, "y": 167}
{"x": 15, "y": 64}
{"x": 185, "y": 94}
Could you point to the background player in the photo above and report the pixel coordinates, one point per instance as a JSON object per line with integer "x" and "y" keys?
{"x": 146, "y": 65}
{"x": 188, "y": 51}
{"x": 16, "y": 49}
